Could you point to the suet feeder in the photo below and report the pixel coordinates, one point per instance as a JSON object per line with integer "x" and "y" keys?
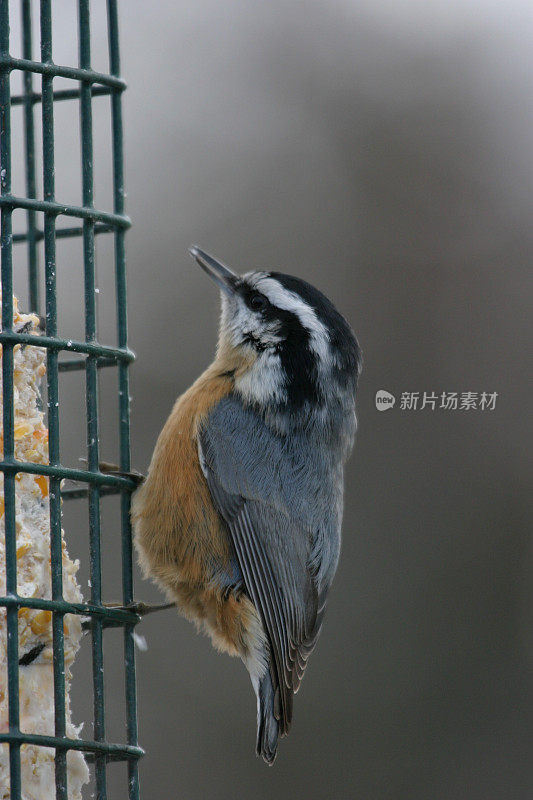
{"x": 36, "y": 104}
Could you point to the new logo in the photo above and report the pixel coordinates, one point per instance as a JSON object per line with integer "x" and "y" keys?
{"x": 384, "y": 400}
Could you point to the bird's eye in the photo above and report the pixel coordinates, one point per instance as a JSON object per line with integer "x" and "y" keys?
{"x": 258, "y": 302}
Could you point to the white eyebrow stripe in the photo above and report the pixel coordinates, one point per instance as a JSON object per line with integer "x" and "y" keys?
{"x": 290, "y": 301}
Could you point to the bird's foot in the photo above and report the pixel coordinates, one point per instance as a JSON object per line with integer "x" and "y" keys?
{"x": 114, "y": 469}
{"x": 139, "y": 608}
{"x": 235, "y": 591}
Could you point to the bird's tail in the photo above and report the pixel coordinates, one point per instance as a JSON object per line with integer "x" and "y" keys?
{"x": 267, "y": 723}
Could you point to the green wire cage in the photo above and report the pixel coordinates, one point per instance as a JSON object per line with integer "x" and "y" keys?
{"x": 90, "y": 356}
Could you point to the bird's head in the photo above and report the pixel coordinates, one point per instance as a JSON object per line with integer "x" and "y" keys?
{"x": 288, "y": 345}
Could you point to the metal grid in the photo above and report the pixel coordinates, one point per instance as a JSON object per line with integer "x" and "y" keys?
{"x": 92, "y": 356}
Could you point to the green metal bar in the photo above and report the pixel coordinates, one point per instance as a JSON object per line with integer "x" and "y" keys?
{"x": 92, "y": 393}
{"x": 59, "y": 94}
{"x": 64, "y": 233}
{"x": 118, "y": 616}
{"x": 53, "y": 400}
{"x": 52, "y": 207}
{"x": 69, "y": 345}
{"x": 124, "y": 398}
{"x": 72, "y": 493}
{"x": 79, "y": 364}
{"x": 63, "y": 743}
{"x": 57, "y": 471}
{"x": 50, "y": 70}
{"x": 29, "y": 142}
{"x": 8, "y": 411}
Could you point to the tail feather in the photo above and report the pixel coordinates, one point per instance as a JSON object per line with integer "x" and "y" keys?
{"x": 267, "y": 720}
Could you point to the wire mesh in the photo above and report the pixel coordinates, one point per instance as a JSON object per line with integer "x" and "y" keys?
{"x": 91, "y": 357}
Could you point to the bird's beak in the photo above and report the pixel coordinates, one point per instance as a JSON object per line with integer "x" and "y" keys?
{"x": 224, "y": 277}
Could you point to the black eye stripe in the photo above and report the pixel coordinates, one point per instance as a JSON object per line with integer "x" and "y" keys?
{"x": 342, "y": 340}
{"x": 282, "y": 331}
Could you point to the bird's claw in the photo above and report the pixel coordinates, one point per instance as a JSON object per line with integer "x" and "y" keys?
{"x": 139, "y": 608}
{"x": 113, "y": 469}
{"x": 235, "y": 591}
{"x": 142, "y": 609}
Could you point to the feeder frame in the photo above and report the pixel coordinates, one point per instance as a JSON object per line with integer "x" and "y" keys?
{"x": 91, "y": 357}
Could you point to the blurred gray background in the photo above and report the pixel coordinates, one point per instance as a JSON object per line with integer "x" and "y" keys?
{"x": 381, "y": 151}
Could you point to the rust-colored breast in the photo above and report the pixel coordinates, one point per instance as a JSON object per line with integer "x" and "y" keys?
{"x": 179, "y": 535}
{"x": 178, "y": 530}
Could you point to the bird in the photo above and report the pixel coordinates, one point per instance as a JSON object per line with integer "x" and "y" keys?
{"x": 239, "y": 517}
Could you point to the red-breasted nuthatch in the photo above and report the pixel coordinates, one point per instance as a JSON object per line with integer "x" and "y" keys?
{"x": 239, "y": 518}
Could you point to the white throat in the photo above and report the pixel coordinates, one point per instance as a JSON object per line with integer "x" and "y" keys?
{"x": 264, "y": 382}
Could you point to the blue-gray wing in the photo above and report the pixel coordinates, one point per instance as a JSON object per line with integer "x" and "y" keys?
{"x": 271, "y": 547}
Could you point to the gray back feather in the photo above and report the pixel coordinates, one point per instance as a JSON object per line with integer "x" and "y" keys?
{"x": 281, "y": 496}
